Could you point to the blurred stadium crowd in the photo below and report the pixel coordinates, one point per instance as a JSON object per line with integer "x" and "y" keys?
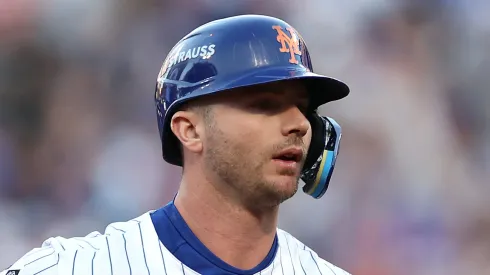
{"x": 79, "y": 146}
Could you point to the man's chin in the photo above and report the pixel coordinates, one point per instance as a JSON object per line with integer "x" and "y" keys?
{"x": 272, "y": 191}
{"x": 282, "y": 189}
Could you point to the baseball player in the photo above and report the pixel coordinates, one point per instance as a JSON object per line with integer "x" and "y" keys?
{"x": 236, "y": 103}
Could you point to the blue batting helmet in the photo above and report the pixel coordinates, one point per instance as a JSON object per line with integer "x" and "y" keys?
{"x": 235, "y": 52}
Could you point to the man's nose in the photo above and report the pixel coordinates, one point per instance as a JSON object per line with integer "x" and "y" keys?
{"x": 295, "y": 122}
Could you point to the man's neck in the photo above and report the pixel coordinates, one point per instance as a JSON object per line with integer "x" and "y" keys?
{"x": 234, "y": 234}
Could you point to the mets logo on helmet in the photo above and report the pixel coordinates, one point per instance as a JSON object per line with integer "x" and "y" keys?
{"x": 289, "y": 44}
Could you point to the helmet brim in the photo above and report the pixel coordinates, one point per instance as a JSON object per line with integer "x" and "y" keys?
{"x": 322, "y": 89}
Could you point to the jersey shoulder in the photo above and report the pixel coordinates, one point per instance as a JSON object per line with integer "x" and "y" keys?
{"x": 44, "y": 258}
{"x": 59, "y": 255}
{"x": 308, "y": 259}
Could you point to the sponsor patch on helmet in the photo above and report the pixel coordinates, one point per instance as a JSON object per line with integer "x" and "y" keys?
{"x": 179, "y": 55}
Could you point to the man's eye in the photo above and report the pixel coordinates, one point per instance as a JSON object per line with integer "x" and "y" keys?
{"x": 266, "y": 105}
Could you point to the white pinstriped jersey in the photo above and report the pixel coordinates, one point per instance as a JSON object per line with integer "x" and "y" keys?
{"x": 133, "y": 247}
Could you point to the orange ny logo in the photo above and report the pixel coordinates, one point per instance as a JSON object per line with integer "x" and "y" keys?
{"x": 288, "y": 44}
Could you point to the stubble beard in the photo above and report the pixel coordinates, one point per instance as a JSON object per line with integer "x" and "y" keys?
{"x": 243, "y": 174}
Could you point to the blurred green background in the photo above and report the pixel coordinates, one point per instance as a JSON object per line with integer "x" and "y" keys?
{"x": 79, "y": 146}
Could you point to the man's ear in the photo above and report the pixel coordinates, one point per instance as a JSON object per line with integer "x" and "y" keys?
{"x": 185, "y": 126}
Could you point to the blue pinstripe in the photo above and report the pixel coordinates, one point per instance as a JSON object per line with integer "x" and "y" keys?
{"x": 291, "y": 257}
{"x": 49, "y": 266}
{"x": 125, "y": 248}
{"x": 74, "y": 258}
{"x": 330, "y": 269}
{"x": 313, "y": 258}
{"x": 109, "y": 252}
{"x": 280, "y": 259}
{"x": 163, "y": 260}
{"x": 143, "y": 247}
{"x": 40, "y": 258}
{"x": 93, "y": 264}
{"x": 88, "y": 243}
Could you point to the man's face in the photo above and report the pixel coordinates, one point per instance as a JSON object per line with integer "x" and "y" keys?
{"x": 257, "y": 139}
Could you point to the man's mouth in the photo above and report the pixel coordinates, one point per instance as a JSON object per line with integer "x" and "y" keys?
{"x": 292, "y": 154}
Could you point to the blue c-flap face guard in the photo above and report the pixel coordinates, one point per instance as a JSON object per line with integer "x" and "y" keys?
{"x": 317, "y": 176}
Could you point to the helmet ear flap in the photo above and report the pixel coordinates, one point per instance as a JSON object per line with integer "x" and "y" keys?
{"x": 322, "y": 155}
{"x": 317, "y": 139}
